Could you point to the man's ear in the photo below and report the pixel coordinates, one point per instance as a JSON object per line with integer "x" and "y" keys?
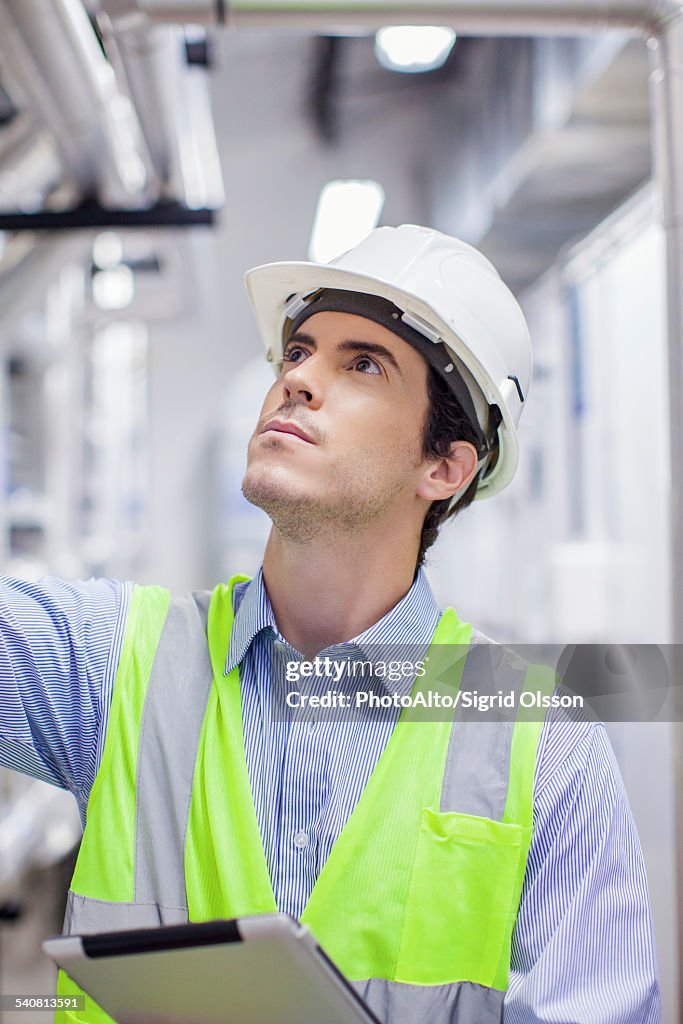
{"x": 443, "y": 477}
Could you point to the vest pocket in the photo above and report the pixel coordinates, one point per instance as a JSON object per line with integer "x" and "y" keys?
{"x": 462, "y": 900}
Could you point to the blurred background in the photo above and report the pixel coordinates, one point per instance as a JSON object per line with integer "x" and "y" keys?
{"x": 144, "y": 166}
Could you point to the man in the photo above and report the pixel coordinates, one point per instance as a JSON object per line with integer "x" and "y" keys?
{"x": 455, "y": 870}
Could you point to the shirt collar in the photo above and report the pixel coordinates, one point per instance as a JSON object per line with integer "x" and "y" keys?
{"x": 411, "y": 622}
{"x": 253, "y": 613}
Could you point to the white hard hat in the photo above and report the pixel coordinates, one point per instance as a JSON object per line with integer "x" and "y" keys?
{"x": 447, "y": 291}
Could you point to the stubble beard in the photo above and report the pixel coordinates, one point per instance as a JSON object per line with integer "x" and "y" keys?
{"x": 303, "y": 518}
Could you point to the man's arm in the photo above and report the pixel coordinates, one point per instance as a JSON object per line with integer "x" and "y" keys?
{"x": 583, "y": 948}
{"x": 59, "y": 649}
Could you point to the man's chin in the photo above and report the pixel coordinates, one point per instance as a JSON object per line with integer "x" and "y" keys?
{"x": 294, "y": 513}
{"x": 270, "y": 492}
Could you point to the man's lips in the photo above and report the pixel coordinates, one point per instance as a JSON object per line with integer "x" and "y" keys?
{"x": 286, "y": 427}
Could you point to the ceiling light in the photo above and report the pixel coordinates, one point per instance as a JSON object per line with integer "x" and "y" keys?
{"x": 113, "y": 289}
{"x": 413, "y": 47}
{"x": 107, "y": 250}
{"x": 347, "y": 212}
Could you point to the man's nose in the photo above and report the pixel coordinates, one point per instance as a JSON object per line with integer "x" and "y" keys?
{"x": 304, "y": 382}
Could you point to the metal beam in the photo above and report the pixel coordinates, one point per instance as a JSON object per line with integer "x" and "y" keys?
{"x": 92, "y": 215}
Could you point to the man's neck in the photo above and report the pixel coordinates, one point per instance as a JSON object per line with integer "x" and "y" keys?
{"x": 324, "y": 592}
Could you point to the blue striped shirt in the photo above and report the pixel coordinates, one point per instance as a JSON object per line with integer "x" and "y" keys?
{"x": 583, "y": 945}
{"x": 307, "y": 776}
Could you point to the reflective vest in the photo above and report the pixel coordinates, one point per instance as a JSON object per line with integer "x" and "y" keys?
{"x": 418, "y": 898}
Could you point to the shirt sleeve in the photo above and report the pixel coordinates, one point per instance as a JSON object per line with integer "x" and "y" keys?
{"x": 583, "y": 946}
{"x": 59, "y": 647}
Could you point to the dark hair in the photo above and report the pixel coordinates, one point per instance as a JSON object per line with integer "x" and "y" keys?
{"x": 445, "y": 422}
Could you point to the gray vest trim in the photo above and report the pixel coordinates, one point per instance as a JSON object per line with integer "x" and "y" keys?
{"x": 460, "y": 1003}
{"x": 84, "y": 915}
{"x": 478, "y": 759}
{"x": 174, "y": 710}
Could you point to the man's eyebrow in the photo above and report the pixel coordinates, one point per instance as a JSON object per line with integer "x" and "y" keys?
{"x": 350, "y": 345}
{"x": 371, "y": 346}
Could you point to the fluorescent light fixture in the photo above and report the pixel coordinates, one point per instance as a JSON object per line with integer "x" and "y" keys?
{"x": 347, "y": 211}
{"x": 413, "y": 47}
{"x": 107, "y": 250}
{"x": 113, "y": 289}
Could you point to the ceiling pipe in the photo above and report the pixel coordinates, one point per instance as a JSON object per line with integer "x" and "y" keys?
{"x": 146, "y": 58}
{"x": 174, "y": 107}
{"x": 53, "y": 58}
{"x": 480, "y": 17}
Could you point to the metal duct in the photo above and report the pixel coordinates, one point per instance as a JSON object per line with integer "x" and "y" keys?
{"x": 52, "y": 55}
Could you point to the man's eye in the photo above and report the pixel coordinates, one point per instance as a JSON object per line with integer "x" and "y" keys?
{"x": 365, "y": 361}
{"x": 290, "y": 355}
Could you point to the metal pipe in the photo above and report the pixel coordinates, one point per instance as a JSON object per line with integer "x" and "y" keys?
{"x": 52, "y": 55}
{"x": 173, "y": 103}
{"x": 483, "y": 17}
{"x": 144, "y": 57}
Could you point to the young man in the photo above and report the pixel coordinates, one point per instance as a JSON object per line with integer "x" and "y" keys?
{"x": 456, "y": 870}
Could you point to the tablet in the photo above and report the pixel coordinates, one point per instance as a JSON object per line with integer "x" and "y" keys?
{"x": 266, "y": 969}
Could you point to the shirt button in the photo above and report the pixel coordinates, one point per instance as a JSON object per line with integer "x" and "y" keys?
{"x": 301, "y": 840}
